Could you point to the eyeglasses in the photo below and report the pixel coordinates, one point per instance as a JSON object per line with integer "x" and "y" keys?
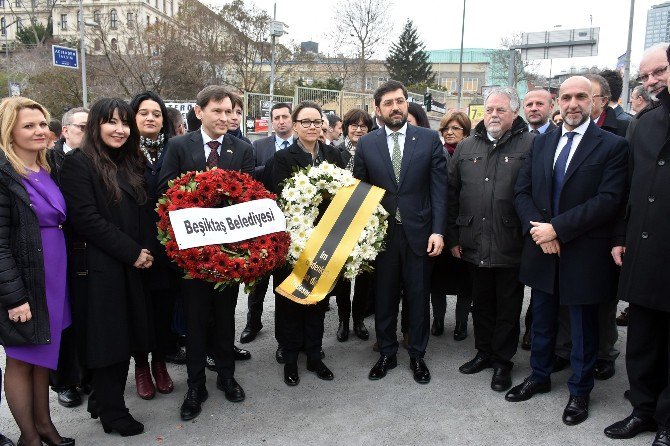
{"x": 81, "y": 127}
{"x": 656, "y": 73}
{"x": 358, "y": 126}
{"x": 599, "y": 96}
{"x": 500, "y": 111}
{"x": 397, "y": 101}
{"x": 306, "y": 123}
{"x": 453, "y": 128}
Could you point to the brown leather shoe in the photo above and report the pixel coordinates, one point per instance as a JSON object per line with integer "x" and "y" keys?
{"x": 164, "y": 383}
{"x": 143, "y": 382}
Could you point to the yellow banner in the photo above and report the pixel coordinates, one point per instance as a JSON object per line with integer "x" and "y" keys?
{"x": 319, "y": 265}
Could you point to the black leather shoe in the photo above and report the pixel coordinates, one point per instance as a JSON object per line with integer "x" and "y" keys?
{"x": 420, "y": 370}
{"x": 249, "y": 334}
{"x": 604, "y": 369}
{"x": 437, "y": 329}
{"x": 526, "y": 390}
{"x": 629, "y": 427}
{"x": 461, "y": 330}
{"x": 343, "y": 331}
{"x": 361, "y": 330}
{"x": 192, "y": 404}
{"x": 64, "y": 441}
{"x": 502, "y": 379}
{"x": 322, "y": 372}
{"x": 662, "y": 438}
{"x": 577, "y": 410}
{"x": 560, "y": 364}
{"x": 241, "y": 354}
{"x": 126, "y": 426}
{"x": 234, "y": 392}
{"x": 475, "y": 365}
{"x": 4, "y": 441}
{"x": 291, "y": 377}
{"x": 69, "y": 397}
{"x": 383, "y": 365}
{"x": 210, "y": 364}
{"x": 525, "y": 341}
{"x": 279, "y": 355}
{"x": 179, "y": 357}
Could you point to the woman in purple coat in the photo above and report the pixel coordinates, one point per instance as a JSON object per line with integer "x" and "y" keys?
{"x": 34, "y": 297}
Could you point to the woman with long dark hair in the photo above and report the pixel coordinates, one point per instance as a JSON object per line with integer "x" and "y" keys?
{"x": 33, "y": 288}
{"x": 103, "y": 185}
{"x": 155, "y": 130}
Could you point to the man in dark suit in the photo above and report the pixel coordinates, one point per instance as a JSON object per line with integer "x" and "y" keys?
{"x": 408, "y": 162}
{"x": 264, "y": 149}
{"x": 567, "y": 196}
{"x": 207, "y": 148}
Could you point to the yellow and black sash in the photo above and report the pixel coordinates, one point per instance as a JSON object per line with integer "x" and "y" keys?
{"x": 330, "y": 244}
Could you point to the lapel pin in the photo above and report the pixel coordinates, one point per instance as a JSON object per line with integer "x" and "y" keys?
{"x": 229, "y": 151}
{"x": 413, "y": 138}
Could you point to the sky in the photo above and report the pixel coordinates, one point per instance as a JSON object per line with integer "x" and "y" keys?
{"x": 486, "y": 22}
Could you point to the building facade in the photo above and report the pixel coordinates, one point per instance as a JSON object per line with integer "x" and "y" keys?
{"x": 658, "y": 25}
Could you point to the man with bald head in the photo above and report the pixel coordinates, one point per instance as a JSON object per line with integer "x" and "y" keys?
{"x": 537, "y": 106}
{"x": 567, "y": 196}
{"x": 654, "y": 69}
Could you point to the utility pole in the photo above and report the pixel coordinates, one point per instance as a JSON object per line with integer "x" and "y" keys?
{"x": 276, "y": 30}
{"x": 626, "y": 61}
{"x": 460, "y": 62}
{"x": 82, "y": 50}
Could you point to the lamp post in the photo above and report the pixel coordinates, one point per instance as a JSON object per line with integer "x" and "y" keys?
{"x": 9, "y": 84}
{"x": 460, "y": 62}
{"x": 82, "y": 50}
{"x": 276, "y": 30}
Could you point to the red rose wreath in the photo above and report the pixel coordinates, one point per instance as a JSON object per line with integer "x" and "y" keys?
{"x": 245, "y": 261}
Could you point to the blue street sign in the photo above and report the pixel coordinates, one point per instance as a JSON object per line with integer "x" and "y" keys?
{"x": 63, "y": 56}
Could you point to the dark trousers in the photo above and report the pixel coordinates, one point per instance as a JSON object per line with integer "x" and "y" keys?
{"x": 298, "y": 326}
{"x": 647, "y": 353}
{"x": 202, "y": 303}
{"x": 68, "y": 373}
{"x": 346, "y": 306}
{"x": 397, "y": 265}
{"x": 163, "y": 304}
{"x": 255, "y": 303}
{"x": 584, "y": 333}
{"x": 607, "y": 332}
{"x": 109, "y": 383}
{"x": 461, "y": 287}
{"x": 497, "y": 297}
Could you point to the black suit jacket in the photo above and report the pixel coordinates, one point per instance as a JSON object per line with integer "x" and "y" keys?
{"x": 186, "y": 153}
{"x": 286, "y": 162}
{"x": 590, "y": 200}
{"x": 421, "y": 194}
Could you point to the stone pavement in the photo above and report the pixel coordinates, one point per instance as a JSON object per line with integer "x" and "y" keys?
{"x": 454, "y": 409}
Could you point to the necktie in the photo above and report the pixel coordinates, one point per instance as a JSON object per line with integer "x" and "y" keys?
{"x": 535, "y": 132}
{"x": 284, "y": 144}
{"x": 396, "y": 160}
{"x": 213, "y": 158}
{"x": 559, "y": 172}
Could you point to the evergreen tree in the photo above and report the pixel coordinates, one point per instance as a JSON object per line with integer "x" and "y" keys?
{"x": 408, "y": 60}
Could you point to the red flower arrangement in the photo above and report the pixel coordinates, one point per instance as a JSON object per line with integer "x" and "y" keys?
{"x": 225, "y": 264}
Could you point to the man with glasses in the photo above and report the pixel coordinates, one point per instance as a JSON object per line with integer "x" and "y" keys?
{"x": 639, "y": 99}
{"x": 485, "y": 232}
{"x": 74, "y": 125}
{"x": 408, "y": 162}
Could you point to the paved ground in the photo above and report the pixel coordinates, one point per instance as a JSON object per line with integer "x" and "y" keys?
{"x": 453, "y": 409}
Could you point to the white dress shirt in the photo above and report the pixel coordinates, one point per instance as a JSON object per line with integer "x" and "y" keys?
{"x": 579, "y": 133}
{"x": 206, "y": 139}
{"x": 401, "y": 139}
{"x": 66, "y": 148}
{"x": 279, "y": 143}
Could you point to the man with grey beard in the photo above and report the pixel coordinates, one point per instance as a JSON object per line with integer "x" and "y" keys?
{"x": 567, "y": 196}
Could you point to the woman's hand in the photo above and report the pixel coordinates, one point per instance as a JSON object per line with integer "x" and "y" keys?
{"x": 145, "y": 259}
{"x": 20, "y": 314}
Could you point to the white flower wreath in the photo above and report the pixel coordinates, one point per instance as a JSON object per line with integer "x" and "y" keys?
{"x": 300, "y": 200}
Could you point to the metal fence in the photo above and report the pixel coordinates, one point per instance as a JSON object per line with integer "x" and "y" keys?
{"x": 415, "y": 97}
{"x": 257, "y": 111}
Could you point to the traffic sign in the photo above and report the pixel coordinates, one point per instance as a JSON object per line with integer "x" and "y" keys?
{"x": 63, "y": 56}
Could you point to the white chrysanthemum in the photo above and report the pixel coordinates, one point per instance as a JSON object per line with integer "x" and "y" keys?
{"x": 301, "y": 180}
{"x": 290, "y": 194}
{"x": 309, "y": 190}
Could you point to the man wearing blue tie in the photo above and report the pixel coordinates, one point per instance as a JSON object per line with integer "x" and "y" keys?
{"x": 567, "y": 196}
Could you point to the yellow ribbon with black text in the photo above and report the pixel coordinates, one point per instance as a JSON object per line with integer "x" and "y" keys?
{"x": 335, "y": 236}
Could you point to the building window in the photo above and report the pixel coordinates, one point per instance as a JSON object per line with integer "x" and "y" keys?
{"x": 17, "y": 3}
{"x": 19, "y": 23}
{"x": 63, "y": 22}
{"x": 470, "y": 84}
{"x": 2, "y": 3}
{"x": 96, "y": 16}
{"x": 451, "y": 84}
{"x": 148, "y": 20}
{"x": 114, "y": 44}
{"x": 131, "y": 44}
{"x": 130, "y": 19}
{"x": 113, "y": 19}
{"x": 3, "y": 22}
{"x": 97, "y": 45}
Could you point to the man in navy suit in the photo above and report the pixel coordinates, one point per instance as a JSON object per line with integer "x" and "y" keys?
{"x": 408, "y": 162}
{"x": 567, "y": 196}
{"x": 196, "y": 151}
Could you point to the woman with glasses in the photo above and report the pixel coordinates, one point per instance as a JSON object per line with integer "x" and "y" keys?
{"x": 155, "y": 130}
{"x": 450, "y": 275}
{"x": 33, "y": 260}
{"x": 355, "y": 124}
{"x": 104, "y": 188}
{"x": 300, "y": 327}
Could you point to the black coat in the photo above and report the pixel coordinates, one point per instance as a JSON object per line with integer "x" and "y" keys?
{"x": 186, "y": 153}
{"x": 646, "y": 264}
{"x": 111, "y": 306}
{"x": 614, "y": 124}
{"x": 21, "y": 263}
{"x": 590, "y": 200}
{"x": 288, "y": 161}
